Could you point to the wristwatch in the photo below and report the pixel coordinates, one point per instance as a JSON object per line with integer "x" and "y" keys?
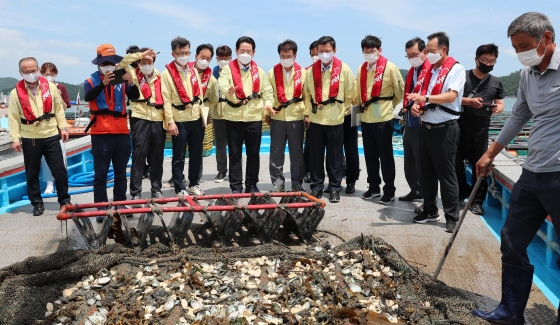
{"x": 427, "y": 98}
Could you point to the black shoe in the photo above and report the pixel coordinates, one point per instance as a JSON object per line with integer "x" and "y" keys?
{"x": 38, "y": 209}
{"x": 370, "y": 194}
{"x": 426, "y": 217}
{"x": 387, "y": 198}
{"x": 450, "y": 225}
{"x": 99, "y": 219}
{"x": 220, "y": 177}
{"x": 278, "y": 188}
{"x": 411, "y": 196}
{"x": 252, "y": 189}
{"x": 157, "y": 195}
{"x": 327, "y": 188}
{"x": 307, "y": 178}
{"x": 477, "y": 209}
{"x": 350, "y": 188}
{"x": 334, "y": 197}
{"x": 317, "y": 194}
{"x": 297, "y": 188}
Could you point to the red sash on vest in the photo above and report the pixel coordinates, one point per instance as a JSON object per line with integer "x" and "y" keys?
{"x": 419, "y": 80}
{"x": 147, "y": 90}
{"x": 205, "y": 79}
{"x": 279, "y": 78}
{"x": 172, "y": 68}
{"x": 377, "y": 80}
{"x": 318, "y": 80}
{"x": 442, "y": 75}
{"x": 238, "y": 83}
{"x": 24, "y": 98}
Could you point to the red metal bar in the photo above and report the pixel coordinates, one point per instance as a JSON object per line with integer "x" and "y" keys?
{"x": 190, "y": 198}
{"x": 197, "y": 208}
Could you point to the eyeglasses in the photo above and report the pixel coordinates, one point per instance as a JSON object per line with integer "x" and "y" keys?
{"x": 487, "y": 62}
{"x": 318, "y": 52}
{"x": 183, "y": 53}
{"x": 413, "y": 55}
{"x": 246, "y": 52}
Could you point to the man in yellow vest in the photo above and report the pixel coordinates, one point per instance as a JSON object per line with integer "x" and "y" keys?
{"x": 329, "y": 91}
{"x": 186, "y": 87}
{"x": 245, "y": 87}
{"x": 223, "y": 56}
{"x": 286, "y": 118}
{"x": 379, "y": 89}
{"x": 147, "y": 122}
{"x": 35, "y": 116}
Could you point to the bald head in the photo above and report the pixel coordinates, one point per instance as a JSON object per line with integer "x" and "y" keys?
{"x": 28, "y": 65}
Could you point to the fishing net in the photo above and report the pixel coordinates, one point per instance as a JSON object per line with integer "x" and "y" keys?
{"x": 294, "y": 287}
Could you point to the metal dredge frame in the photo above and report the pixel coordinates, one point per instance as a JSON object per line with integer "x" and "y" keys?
{"x": 262, "y": 216}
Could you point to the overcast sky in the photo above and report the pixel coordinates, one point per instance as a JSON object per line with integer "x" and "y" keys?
{"x": 67, "y": 33}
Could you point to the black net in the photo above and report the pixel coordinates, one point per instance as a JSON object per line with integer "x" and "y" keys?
{"x": 363, "y": 281}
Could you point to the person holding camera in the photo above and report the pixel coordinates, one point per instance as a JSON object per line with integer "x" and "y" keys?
{"x": 482, "y": 97}
{"x": 110, "y": 139}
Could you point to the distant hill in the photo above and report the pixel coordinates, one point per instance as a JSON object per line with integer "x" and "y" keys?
{"x": 510, "y": 82}
{"x": 9, "y": 83}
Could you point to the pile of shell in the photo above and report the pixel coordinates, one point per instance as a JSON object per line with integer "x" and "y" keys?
{"x": 342, "y": 285}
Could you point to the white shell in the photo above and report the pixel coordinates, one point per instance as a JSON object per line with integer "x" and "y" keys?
{"x": 50, "y": 306}
{"x": 104, "y": 280}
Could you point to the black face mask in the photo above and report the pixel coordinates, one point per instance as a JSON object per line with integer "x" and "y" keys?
{"x": 484, "y": 68}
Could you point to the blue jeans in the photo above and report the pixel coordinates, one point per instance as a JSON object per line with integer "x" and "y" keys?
{"x": 533, "y": 198}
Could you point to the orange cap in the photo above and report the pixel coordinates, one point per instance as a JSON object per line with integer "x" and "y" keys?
{"x": 106, "y": 52}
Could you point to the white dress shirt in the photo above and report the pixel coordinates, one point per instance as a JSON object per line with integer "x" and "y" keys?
{"x": 455, "y": 80}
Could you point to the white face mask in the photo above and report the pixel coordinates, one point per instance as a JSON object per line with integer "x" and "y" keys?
{"x": 30, "y": 77}
{"x": 433, "y": 58}
{"x": 202, "y": 64}
{"x": 286, "y": 63}
{"x": 315, "y": 58}
{"x": 182, "y": 60}
{"x": 531, "y": 58}
{"x": 416, "y": 62}
{"x": 106, "y": 69}
{"x": 50, "y": 78}
{"x": 223, "y": 63}
{"x": 371, "y": 57}
{"x": 326, "y": 57}
{"x": 146, "y": 69}
{"x": 244, "y": 58}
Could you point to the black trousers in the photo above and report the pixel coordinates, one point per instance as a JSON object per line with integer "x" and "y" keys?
{"x": 330, "y": 137}
{"x": 351, "y": 151}
{"x": 378, "y": 150}
{"x": 306, "y": 152}
{"x": 237, "y": 134}
{"x": 472, "y": 145}
{"x": 280, "y": 133}
{"x": 148, "y": 141}
{"x": 220, "y": 140}
{"x": 33, "y": 151}
{"x": 107, "y": 149}
{"x": 533, "y": 198}
{"x": 412, "y": 168}
{"x": 192, "y": 134}
{"x": 438, "y": 147}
